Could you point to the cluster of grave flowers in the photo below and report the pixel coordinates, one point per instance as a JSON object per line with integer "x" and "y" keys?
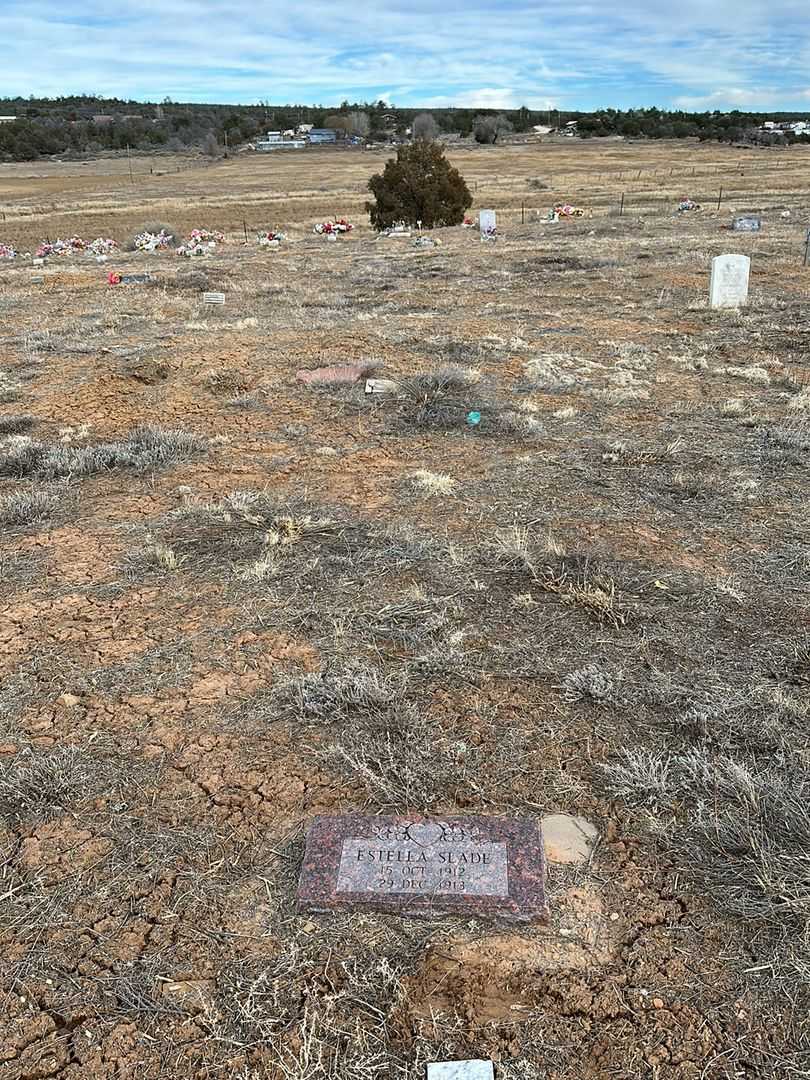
{"x": 7, "y": 252}
{"x": 75, "y": 245}
{"x": 267, "y": 238}
{"x": 328, "y": 227}
{"x": 70, "y": 246}
{"x": 148, "y": 241}
{"x": 200, "y": 242}
{"x": 102, "y": 245}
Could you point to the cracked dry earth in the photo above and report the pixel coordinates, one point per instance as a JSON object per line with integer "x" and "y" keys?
{"x": 188, "y": 675}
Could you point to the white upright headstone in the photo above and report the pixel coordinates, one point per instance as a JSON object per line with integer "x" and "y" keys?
{"x": 486, "y": 222}
{"x": 729, "y": 282}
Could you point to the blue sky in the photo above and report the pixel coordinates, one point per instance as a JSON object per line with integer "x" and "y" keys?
{"x": 696, "y": 55}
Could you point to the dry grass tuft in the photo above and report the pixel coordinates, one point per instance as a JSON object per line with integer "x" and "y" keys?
{"x": 27, "y": 507}
{"x": 36, "y": 785}
{"x": 432, "y": 483}
{"x": 744, "y": 826}
{"x": 15, "y": 425}
{"x": 145, "y": 448}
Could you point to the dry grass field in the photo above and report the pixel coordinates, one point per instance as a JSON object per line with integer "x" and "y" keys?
{"x": 231, "y": 601}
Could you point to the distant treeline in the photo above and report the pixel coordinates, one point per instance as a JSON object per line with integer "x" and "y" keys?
{"x": 735, "y": 126}
{"x": 80, "y": 125}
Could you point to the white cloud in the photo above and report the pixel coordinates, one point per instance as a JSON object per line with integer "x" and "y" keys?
{"x": 732, "y": 98}
{"x": 463, "y": 52}
{"x": 489, "y": 97}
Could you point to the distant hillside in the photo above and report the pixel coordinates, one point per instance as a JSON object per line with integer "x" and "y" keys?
{"x": 81, "y": 125}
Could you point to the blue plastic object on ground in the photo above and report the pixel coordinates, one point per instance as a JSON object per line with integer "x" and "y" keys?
{"x": 473, "y": 418}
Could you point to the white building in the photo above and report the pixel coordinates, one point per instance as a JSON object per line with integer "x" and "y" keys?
{"x": 7, "y": 119}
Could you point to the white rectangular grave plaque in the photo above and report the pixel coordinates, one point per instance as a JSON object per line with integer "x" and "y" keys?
{"x": 472, "y": 1069}
{"x": 214, "y": 298}
{"x": 729, "y": 281}
{"x": 405, "y": 866}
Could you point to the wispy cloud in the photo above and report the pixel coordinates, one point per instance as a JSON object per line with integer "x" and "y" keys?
{"x": 476, "y": 53}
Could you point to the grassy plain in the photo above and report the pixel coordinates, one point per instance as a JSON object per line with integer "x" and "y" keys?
{"x": 231, "y": 601}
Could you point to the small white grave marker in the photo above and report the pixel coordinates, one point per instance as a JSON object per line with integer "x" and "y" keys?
{"x": 474, "y": 1069}
{"x": 729, "y": 281}
{"x": 380, "y": 386}
{"x": 214, "y": 298}
{"x": 486, "y": 222}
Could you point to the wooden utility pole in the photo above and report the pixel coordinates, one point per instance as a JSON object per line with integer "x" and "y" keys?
{"x": 129, "y": 160}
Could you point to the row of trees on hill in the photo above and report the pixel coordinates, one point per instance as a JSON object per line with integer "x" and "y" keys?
{"x": 654, "y": 123}
{"x": 87, "y": 124}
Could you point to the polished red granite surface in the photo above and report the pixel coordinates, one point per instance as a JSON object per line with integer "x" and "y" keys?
{"x": 466, "y": 865}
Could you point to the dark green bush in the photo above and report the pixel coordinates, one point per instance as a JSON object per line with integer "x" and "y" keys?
{"x": 420, "y": 185}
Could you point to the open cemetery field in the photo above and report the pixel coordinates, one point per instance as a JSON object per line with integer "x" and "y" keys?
{"x": 558, "y": 567}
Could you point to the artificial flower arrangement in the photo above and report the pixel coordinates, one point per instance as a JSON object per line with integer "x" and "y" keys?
{"x": 60, "y": 247}
{"x": 101, "y": 246}
{"x": 566, "y": 210}
{"x": 200, "y": 242}
{"x": 687, "y": 204}
{"x": 147, "y": 241}
{"x": 339, "y": 226}
{"x": 7, "y": 252}
{"x": 468, "y": 223}
{"x": 268, "y": 238}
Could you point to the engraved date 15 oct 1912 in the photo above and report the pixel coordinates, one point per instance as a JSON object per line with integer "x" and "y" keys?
{"x": 400, "y": 866}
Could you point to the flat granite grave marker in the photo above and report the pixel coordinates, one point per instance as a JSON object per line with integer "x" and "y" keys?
{"x": 469, "y": 866}
{"x": 214, "y": 298}
{"x": 728, "y": 286}
{"x": 747, "y": 223}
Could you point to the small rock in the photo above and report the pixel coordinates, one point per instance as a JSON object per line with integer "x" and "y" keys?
{"x": 69, "y": 700}
{"x": 658, "y": 1003}
{"x": 568, "y": 838}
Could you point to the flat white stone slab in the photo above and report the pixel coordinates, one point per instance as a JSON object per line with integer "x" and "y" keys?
{"x": 380, "y": 386}
{"x": 568, "y": 838}
{"x": 475, "y": 1069}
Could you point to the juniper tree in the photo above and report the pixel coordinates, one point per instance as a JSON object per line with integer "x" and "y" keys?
{"x": 420, "y": 185}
